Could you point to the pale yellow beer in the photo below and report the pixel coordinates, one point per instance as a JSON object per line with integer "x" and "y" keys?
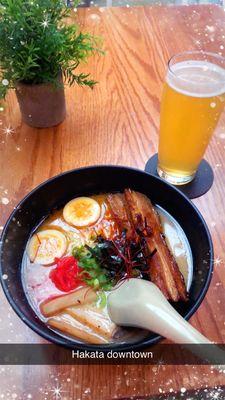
{"x": 192, "y": 102}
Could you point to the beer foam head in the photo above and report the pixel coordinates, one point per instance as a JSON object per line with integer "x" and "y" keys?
{"x": 197, "y": 78}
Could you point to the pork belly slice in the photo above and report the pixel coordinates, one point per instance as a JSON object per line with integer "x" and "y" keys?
{"x": 164, "y": 271}
{"x": 117, "y": 206}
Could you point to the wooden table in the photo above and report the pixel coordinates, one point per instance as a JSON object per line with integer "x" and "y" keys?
{"x": 116, "y": 124}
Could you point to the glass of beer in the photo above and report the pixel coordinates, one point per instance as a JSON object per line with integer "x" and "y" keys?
{"x": 192, "y": 102}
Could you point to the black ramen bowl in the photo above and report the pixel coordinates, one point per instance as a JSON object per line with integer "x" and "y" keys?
{"x": 55, "y": 192}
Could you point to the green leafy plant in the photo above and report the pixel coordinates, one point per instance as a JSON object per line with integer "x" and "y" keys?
{"x": 37, "y": 43}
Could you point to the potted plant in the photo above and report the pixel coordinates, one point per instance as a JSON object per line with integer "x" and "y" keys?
{"x": 39, "y": 51}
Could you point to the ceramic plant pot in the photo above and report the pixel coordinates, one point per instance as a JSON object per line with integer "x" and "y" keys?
{"x": 41, "y": 105}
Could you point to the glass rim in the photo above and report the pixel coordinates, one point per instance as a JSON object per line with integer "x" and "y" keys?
{"x": 195, "y": 52}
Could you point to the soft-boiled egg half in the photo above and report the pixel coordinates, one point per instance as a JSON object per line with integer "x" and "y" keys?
{"x": 46, "y": 245}
{"x": 82, "y": 211}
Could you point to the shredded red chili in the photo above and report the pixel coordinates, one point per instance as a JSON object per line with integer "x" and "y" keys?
{"x": 66, "y": 274}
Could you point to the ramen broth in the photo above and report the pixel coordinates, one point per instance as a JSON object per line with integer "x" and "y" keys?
{"x": 39, "y": 287}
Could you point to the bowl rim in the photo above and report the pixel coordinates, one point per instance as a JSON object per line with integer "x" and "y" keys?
{"x": 59, "y": 340}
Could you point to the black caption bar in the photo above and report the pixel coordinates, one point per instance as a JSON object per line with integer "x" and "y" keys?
{"x": 165, "y": 354}
{"x": 197, "y": 394}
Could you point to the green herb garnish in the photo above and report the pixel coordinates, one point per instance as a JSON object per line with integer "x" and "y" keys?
{"x": 93, "y": 274}
{"x": 102, "y": 300}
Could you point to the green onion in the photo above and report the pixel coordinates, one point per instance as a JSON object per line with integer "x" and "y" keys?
{"x": 102, "y": 300}
{"x": 93, "y": 274}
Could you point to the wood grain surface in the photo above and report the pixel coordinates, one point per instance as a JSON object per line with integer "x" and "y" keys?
{"x": 117, "y": 123}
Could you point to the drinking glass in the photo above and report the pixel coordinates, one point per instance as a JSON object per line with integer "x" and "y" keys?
{"x": 192, "y": 102}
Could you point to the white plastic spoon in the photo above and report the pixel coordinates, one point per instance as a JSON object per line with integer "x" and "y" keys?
{"x": 140, "y": 303}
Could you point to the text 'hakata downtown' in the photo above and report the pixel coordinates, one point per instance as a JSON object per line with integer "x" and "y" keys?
{"x": 111, "y": 354}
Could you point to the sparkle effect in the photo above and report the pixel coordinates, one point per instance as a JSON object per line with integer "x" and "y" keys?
{"x": 216, "y": 395}
{"x": 45, "y": 22}
{"x": 8, "y": 131}
{"x": 5, "y": 82}
{"x": 218, "y": 261}
{"x": 57, "y": 392}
